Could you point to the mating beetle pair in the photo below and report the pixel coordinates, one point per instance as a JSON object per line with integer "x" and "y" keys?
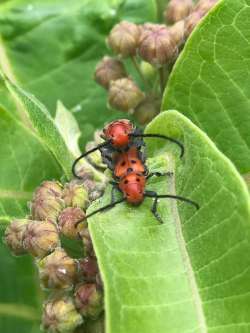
{"x": 121, "y": 151}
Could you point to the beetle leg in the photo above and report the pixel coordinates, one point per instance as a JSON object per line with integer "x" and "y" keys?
{"x": 159, "y": 174}
{"x": 154, "y": 210}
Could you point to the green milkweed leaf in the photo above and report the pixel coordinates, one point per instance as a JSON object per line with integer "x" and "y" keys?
{"x": 190, "y": 274}
{"x": 210, "y": 81}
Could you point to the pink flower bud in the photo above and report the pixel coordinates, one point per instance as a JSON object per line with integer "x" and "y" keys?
{"x": 69, "y": 221}
{"x": 178, "y": 10}
{"x": 125, "y": 95}
{"x": 14, "y": 234}
{"x": 60, "y": 315}
{"x": 109, "y": 69}
{"x": 40, "y": 238}
{"x": 124, "y": 38}
{"x": 88, "y": 300}
{"x": 75, "y": 195}
{"x": 47, "y": 201}
{"x": 156, "y": 45}
{"x": 58, "y": 270}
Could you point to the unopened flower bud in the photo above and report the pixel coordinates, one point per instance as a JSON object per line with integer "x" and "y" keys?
{"x": 125, "y": 95}
{"x": 178, "y": 10}
{"x": 124, "y": 38}
{"x": 147, "y": 110}
{"x": 205, "y": 5}
{"x": 191, "y": 22}
{"x": 88, "y": 268}
{"x": 14, "y": 234}
{"x": 177, "y": 32}
{"x": 50, "y": 187}
{"x": 40, "y": 238}
{"x": 89, "y": 300}
{"x": 109, "y": 69}
{"x": 75, "y": 195}
{"x": 47, "y": 201}
{"x": 69, "y": 221}
{"x": 148, "y": 71}
{"x": 60, "y": 315}
{"x": 57, "y": 270}
{"x": 156, "y": 45}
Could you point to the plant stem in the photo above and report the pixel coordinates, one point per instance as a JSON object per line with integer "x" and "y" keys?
{"x": 137, "y": 67}
{"x": 162, "y": 81}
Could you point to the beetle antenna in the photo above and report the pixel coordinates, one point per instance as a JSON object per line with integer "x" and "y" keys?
{"x": 170, "y": 196}
{"x": 111, "y": 205}
{"x": 101, "y": 145}
{"x": 161, "y": 137}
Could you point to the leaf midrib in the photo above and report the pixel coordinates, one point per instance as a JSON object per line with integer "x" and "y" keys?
{"x": 183, "y": 251}
{"x": 12, "y": 194}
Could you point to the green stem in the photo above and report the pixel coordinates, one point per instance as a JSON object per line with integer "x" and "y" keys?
{"x": 137, "y": 67}
{"x": 162, "y": 80}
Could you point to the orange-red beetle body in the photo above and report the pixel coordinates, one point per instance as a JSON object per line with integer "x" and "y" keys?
{"x": 127, "y": 162}
{"x": 130, "y": 172}
{"x": 118, "y": 132}
{"x": 133, "y": 186}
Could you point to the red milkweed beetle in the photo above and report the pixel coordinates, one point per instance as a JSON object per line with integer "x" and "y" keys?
{"x": 118, "y": 136}
{"x": 130, "y": 175}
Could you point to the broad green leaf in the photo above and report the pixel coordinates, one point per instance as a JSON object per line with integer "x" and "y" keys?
{"x": 210, "y": 81}
{"x": 190, "y": 274}
{"x": 25, "y": 163}
{"x": 43, "y": 124}
{"x": 68, "y": 128}
{"x": 51, "y": 49}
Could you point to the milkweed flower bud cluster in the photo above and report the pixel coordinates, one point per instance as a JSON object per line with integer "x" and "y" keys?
{"x": 150, "y": 46}
{"x": 74, "y": 284}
